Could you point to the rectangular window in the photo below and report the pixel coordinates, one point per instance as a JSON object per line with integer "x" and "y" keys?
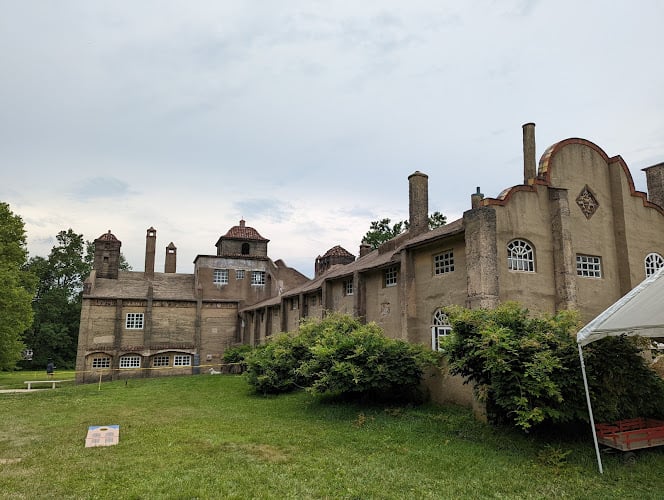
{"x": 182, "y": 360}
{"x": 239, "y": 274}
{"x": 390, "y": 276}
{"x": 220, "y": 277}
{"x": 257, "y": 277}
{"x": 132, "y": 361}
{"x": 134, "y": 321}
{"x": 101, "y": 362}
{"x": 312, "y": 300}
{"x": 443, "y": 262}
{"x": 348, "y": 287}
{"x": 588, "y": 266}
{"x": 161, "y": 361}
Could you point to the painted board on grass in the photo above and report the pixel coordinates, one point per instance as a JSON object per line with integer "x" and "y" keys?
{"x": 102, "y": 435}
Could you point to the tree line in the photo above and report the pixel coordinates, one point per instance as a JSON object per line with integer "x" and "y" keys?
{"x": 40, "y": 297}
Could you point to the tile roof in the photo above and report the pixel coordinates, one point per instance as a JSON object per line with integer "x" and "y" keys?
{"x": 133, "y": 285}
{"x": 108, "y": 237}
{"x": 338, "y": 251}
{"x": 243, "y": 232}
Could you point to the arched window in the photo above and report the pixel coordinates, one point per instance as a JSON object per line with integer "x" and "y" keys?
{"x": 654, "y": 262}
{"x": 520, "y": 256}
{"x": 440, "y": 327}
{"x": 245, "y": 248}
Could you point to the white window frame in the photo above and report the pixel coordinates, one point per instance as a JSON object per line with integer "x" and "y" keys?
{"x": 520, "y": 256}
{"x": 391, "y": 276}
{"x": 182, "y": 360}
{"x": 443, "y": 262}
{"x": 134, "y": 321}
{"x": 653, "y": 263}
{"x": 258, "y": 278}
{"x": 239, "y": 274}
{"x": 348, "y": 287}
{"x": 440, "y": 327}
{"x": 130, "y": 361}
{"x": 220, "y": 277}
{"x": 588, "y": 266}
{"x": 101, "y": 362}
{"x": 161, "y": 360}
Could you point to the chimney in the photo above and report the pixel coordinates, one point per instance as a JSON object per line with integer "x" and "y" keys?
{"x": 655, "y": 182}
{"x": 364, "y": 249}
{"x": 150, "y": 245}
{"x": 529, "y": 153}
{"x": 418, "y": 203}
{"x": 476, "y": 199}
{"x": 107, "y": 256}
{"x": 171, "y": 256}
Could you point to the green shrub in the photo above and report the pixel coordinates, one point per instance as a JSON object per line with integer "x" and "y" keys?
{"x": 237, "y": 354}
{"x": 339, "y": 356}
{"x": 528, "y": 372}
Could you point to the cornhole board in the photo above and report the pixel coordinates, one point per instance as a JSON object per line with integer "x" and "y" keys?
{"x": 102, "y": 435}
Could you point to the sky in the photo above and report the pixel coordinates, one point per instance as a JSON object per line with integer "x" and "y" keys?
{"x": 304, "y": 118}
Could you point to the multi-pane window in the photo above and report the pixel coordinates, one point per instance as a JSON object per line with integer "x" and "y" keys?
{"x": 257, "y": 277}
{"x": 220, "y": 277}
{"x": 134, "y": 321}
{"x": 104, "y": 362}
{"x": 390, "y": 276}
{"x": 182, "y": 360}
{"x": 654, "y": 262}
{"x": 588, "y": 266}
{"x": 443, "y": 262}
{"x": 239, "y": 274}
{"x": 440, "y": 327}
{"x": 348, "y": 287}
{"x": 520, "y": 256}
{"x": 130, "y": 361}
{"x": 162, "y": 360}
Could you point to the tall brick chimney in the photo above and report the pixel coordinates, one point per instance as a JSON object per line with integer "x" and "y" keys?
{"x": 150, "y": 245}
{"x": 655, "y": 182}
{"x": 171, "y": 257}
{"x": 107, "y": 256}
{"x": 529, "y": 153}
{"x": 418, "y": 202}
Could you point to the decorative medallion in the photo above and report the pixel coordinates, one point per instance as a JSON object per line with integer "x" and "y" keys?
{"x": 587, "y": 202}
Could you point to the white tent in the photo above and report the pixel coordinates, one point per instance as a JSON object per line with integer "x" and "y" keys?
{"x": 640, "y": 312}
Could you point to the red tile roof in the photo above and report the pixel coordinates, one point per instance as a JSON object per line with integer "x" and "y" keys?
{"x": 243, "y": 232}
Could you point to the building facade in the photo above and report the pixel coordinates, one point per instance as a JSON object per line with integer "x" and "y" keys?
{"x": 575, "y": 234}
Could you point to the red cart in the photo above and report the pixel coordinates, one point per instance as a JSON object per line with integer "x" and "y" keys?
{"x": 631, "y": 434}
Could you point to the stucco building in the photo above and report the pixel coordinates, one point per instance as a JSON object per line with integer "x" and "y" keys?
{"x": 573, "y": 234}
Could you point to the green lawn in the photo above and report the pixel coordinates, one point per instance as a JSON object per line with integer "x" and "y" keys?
{"x": 209, "y": 437}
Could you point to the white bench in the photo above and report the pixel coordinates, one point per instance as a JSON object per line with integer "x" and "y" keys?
{"x": 52, "y": 382}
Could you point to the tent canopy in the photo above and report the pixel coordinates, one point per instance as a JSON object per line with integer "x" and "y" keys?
{"x": 640, "y": 312}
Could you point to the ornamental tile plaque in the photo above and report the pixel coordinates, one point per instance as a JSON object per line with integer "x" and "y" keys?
{"x": 587, "y": 202}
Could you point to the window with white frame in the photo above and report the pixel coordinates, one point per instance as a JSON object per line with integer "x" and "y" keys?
{"x": 588, "y": 266}
{"x": 520, "y": 256}
{"x": 161, "y": 360}
{"x": 130, "y": 361}
{"x": 239, "y": 274}
{"x": 134, "y": 321}
{"x": 220, "y": 277}
{"x": 257, "y": 277}
{"x": 104, "y": 362}
{"x": 348, "y": 287}
{"x": 182, "y": 360}
{"x": 390, "y": 276}
{"x": 654, "y": 262}
{"x": 440, "y": 327}
{"x": 443, "y": 262}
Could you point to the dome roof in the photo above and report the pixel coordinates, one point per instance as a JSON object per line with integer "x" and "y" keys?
{"x": 243, "y": 232}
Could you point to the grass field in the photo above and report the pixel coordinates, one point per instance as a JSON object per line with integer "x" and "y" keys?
{"x": 209, "y": 437}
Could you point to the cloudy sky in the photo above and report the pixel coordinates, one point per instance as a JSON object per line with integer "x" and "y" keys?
{"x": 305, "y": 118}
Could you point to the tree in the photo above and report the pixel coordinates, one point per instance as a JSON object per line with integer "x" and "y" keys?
{"x": 57, "y": 305}
{"x": 17, "y": 288}
{"x": 383, "y": 230}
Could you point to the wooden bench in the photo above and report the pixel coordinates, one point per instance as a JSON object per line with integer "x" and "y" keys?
{"x": 52, "y": 382}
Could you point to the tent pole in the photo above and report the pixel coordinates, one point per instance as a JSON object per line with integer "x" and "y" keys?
{"x": 590, "y": 411}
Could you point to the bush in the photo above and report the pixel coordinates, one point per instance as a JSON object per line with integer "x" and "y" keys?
{"x": 527, "y": 369}
{"x": 236, "y": 355}
{"x": 339, "y": 356}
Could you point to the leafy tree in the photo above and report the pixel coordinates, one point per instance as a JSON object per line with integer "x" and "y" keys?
{"x": 57, "y": 305}
{"x": 383, "y": 230}
{"x": 527, "y": 369}
{"x": 17, "y": 288}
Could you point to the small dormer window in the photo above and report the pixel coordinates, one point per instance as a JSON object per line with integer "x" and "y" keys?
{"x": 245, "y": 248}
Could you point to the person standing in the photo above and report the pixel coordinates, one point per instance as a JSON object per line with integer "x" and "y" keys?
{"x": 50, "y": 368}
